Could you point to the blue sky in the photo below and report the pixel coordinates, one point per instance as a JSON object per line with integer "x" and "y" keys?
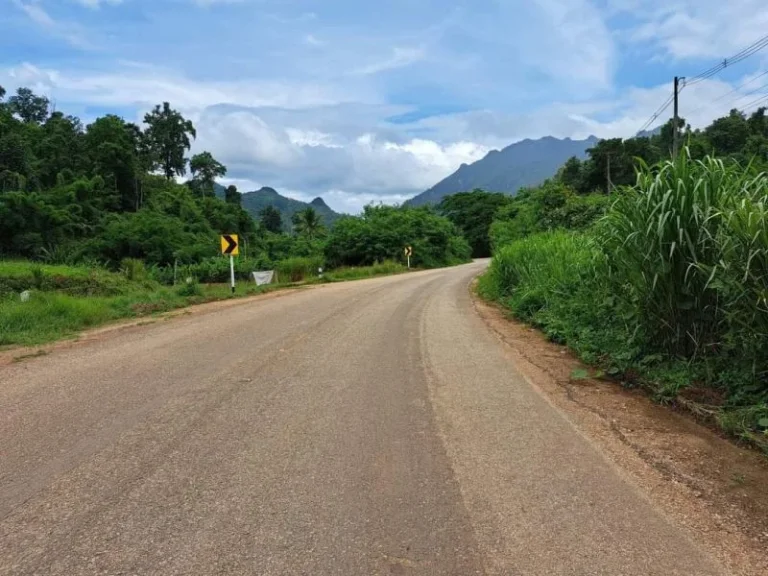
{"x": 361, "y": 102}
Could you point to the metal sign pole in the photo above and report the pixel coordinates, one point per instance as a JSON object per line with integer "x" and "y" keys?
{"x": 232, "y": 271}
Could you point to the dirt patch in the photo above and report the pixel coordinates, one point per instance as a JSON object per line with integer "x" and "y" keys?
{"x": 715, "y": 488}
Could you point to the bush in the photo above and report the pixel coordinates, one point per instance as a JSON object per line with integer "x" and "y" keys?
{"x": 297, "y": 269}
{"x": 189, "y": 289}
{"x": 552, "y": 206}
{"x": 382, "y": 232}
{"x": 133, "y": 269}
{"x": 17, "y": 276}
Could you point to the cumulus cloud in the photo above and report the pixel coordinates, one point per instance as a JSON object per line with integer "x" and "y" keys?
{"x": 326, "y": 99}
{"x": 696, "y": 28}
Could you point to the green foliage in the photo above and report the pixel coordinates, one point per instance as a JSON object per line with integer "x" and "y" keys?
{"x": 551, "y": 206}
{"x": 352, "y": 273}
{"x": 298, "y": 269}
{"x": 472, "y": 213}
{"x": 382, "y": 233}
{"x": 205, "y": 169}
{"x": 17, "y": 276}
{"x": 189, "y": 289}
{"x": 232, "y": 196}
{"x": 167, "y": 139}
{"x": 671, "y": 285}
{"x": 271, "y": 220}
{"x": 308, "y": 223}
{"x": 133, "y": 269}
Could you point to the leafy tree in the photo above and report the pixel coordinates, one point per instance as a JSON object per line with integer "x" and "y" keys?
{"x": 728, "y": 135}
{"x": 31, "y": 108}
{"x": 232, "y": 196}
{"x": 2, "y": 92}
{"x": 271, "y": 220}
{"x": 59, "y": 149}
{"x": 205, "y": 168}
{"x": 571, "y": 174}
{"x": 167, "y": 139}
{"x": 308, "y": 223}
{"x": 473, "y": 212}
{"x": 110, "y": 145}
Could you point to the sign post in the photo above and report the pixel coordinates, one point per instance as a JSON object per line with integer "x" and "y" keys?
{"x": 408, "y": 253}
{"x": 230, "y": 247}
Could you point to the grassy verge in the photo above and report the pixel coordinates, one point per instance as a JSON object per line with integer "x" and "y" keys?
{"x": 79, "y": 298}
{"x": 643, "y": 314}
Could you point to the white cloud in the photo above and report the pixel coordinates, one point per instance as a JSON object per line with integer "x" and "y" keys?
{"x": 144, "y": 86}
{"x": 399, "y": 58}
{"x": 312, "y": 40}
{"x": 697, "y": 28}
{"x": 68, "y": 31}
{"x": 97, "y": 3}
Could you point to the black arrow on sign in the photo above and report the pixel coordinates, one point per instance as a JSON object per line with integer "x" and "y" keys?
{"x": 231, "y": 244}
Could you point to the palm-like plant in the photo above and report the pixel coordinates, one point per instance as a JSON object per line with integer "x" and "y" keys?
{"x": 308, "y": 223}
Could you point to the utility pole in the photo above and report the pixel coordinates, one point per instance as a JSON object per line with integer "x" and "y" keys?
{"x": 675, "y": 136}
{"x": 609, "y": 184}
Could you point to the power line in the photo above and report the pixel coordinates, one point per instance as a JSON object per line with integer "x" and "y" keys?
{"x": 758, "y": 101}
{"x": 658, "y": 113}
{"x": 709, "y": 73}
{"x": 734, "y": 100}
{"x": 736, "y": 58}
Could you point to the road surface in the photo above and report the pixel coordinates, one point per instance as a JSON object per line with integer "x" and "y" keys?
{"x": 364, "y": 428}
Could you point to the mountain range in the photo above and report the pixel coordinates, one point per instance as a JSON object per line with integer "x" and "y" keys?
{"x": 255, "y": 202}
{"x": 522, "y": 164}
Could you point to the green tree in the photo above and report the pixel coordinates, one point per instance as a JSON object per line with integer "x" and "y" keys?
{"x": 205, "y": 169}
{"x": 473, "y": 212}
{"x": 232, "y": 196}
{"x": 308, "y": 223}
{"x": 571, "y": 174}
{"x": 31, "y": 108}
{"x": 271, "y": 220}
{"x": 728, "y": 135}
{"x": 59, "y": 149}
{"x": 167, "y": 139}
{"x": 110, "y": 145}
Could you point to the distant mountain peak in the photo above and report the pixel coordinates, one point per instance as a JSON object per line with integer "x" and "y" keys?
{"x": 255, "y": 202}
{"x": 522, "y": 164}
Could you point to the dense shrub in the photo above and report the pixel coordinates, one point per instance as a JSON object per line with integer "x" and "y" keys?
{"x": 551, "y": 206}
{"x": 298, "y": 269}
{"x": 382, "y": 232}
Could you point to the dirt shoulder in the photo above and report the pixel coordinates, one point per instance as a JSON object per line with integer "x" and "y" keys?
{"x": 715, "y": 488}
{"x": 19, "y": 353}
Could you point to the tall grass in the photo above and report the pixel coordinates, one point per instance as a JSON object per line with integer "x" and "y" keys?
{"x": 675, "y": 274}
{"x": 676, "y": 242}
{"x": 298, "y": 269}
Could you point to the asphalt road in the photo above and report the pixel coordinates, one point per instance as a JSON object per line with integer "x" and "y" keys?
{"x": 365, "y": 428}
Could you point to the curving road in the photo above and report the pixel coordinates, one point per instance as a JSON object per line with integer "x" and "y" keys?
{"x": 365, "y": 428}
